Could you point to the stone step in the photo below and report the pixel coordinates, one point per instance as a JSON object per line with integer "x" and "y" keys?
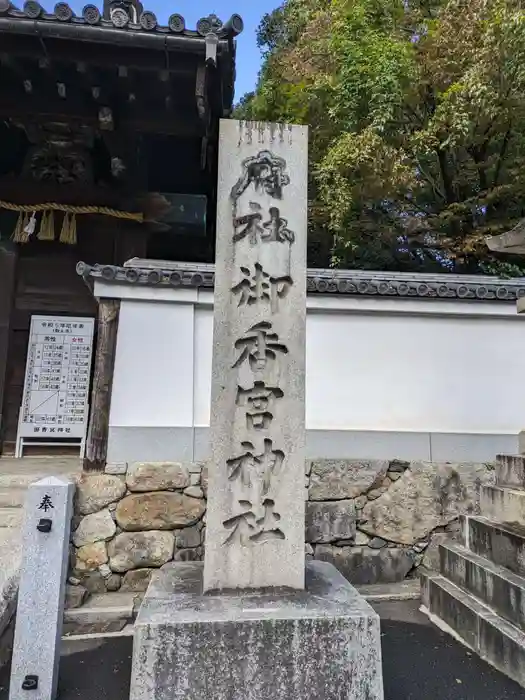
{"x": 510, "y": 471}
{"x": 502, "y": 504}
{"x": 501, "y": 543}
{"x": 106, "y": 612}
{"x": 464, "y": 617}
{"x": 11, "y": 517}
{"x": 501, "y": 590}
{"x": 12, "y": 498}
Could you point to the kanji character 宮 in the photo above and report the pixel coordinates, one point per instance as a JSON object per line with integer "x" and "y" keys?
{"x": 259, "y": 399}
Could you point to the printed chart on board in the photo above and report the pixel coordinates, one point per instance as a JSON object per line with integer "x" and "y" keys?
{"x": 56, "y": 387}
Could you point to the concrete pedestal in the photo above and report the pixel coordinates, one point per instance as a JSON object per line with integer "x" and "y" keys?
{"x": 322, "y": 643}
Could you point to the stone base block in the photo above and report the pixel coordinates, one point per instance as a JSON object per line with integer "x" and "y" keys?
{"x": 321, "y": 643}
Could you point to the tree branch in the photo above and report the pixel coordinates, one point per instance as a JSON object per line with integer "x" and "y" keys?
{"x": 501, "y": 156}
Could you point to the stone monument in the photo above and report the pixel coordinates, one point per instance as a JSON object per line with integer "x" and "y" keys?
{"x": 254, "y": 623}
{"x": 41, "y": 593}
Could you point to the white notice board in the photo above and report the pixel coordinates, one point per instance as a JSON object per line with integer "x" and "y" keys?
{"x": 56, "y": 387}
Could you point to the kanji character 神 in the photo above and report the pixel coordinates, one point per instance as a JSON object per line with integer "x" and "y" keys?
{"x": 261, "y": 467}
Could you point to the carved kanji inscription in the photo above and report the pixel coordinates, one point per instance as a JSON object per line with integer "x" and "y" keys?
{"x": 255, "y": 525}
{"x": 260, "y": 286}
{"x": 259, "y": 345}
{"x": 266, "y": 172}
{"x": 250, "y": 467}
{"x": 258, "y": 399}
{"x": 251, "y": 226}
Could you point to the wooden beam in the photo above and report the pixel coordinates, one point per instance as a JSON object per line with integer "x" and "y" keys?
{"x": 7, "y": 285}
{"x": 26, "y": 109}
{"x": 98, "y": 428}
{"x": 103, "y": 55}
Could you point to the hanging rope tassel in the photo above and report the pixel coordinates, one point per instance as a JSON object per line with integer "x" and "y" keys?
{"x": 47, "y": 226}
{"x": 30, "y": 226}
{"x": 68, "y": 234}
{"x": 19, "y": 235}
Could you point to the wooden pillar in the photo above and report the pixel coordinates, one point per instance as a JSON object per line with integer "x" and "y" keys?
{"x": 98, "y": 428}
{"x": 8, "y": 259}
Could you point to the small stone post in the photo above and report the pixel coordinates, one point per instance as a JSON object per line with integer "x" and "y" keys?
{"x": 40, "y": 608}
{"x": 255, "y": 520}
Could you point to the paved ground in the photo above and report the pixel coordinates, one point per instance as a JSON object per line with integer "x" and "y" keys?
{"x": 419, "y": 661}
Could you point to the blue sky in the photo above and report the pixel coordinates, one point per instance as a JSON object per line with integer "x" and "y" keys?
{"x": 248, "y": 55}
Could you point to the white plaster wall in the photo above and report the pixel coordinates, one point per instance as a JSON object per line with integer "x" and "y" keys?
{"x": 154, "y": 363}
{"x": 372, "y": 364}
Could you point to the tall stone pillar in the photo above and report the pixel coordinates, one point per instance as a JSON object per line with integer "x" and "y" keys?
{"x": 255, "y": 520}
{"x": 256, "y": 624}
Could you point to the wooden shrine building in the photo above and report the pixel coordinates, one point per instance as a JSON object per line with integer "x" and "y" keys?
{"x": 108, "y": 150}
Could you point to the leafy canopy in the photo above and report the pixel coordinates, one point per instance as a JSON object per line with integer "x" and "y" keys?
{"x": 417, "y": 125}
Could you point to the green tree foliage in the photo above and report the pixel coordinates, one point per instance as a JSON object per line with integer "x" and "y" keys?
{"x": 417, "y": 125}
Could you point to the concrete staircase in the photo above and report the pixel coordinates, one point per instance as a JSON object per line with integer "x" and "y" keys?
{"x": 479, "y": 594}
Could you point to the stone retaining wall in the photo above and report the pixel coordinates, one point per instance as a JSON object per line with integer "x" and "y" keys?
{"x": 376, "y": 520}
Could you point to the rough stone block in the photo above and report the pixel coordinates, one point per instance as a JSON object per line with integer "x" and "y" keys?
{"x": 194, "y": 554}
{"x": 330, "y": 521}
{"x": 116, "y": 468}
{"x": 90, "y": 557}
{"x": 428, "y": 495}
{"x": 136, "y": 580}
{"x": 94, "y": 528}
{"x": 194, "y": 492}
{"x": 323, "y": 642}
{"x": 137, "y": 550}
{"x": 362, "y": 565}
{"x": 163, "y": 510}
{"x": 189, "y": 537}
{"x": 333, "y": 479}
{"x": 157, "y": 476}
{"x": 431, "y": 559}
{"x": 96, "y": 491}
{"x": 75, "y": 596}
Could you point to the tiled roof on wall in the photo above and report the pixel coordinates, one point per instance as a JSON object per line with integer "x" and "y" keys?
{"x": 348, "y": 282}
{"x": 121, "y": 19}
